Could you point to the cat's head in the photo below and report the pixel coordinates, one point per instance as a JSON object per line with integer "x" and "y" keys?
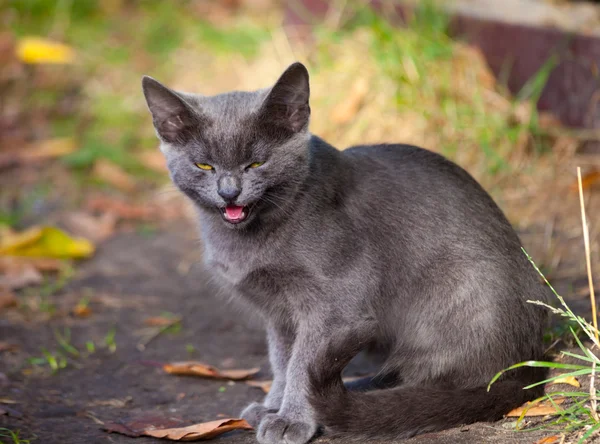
{"x": 239, "y": 155}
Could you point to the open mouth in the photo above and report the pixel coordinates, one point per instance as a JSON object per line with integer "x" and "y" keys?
{"x": 234, "y": 214}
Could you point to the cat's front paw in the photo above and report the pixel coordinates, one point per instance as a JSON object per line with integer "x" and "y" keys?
{"x": 255, "y": 412}
{"x": 276, "y": 429}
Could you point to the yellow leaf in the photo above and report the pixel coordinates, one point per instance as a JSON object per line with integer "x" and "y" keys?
{"x": 40, "y": 50}
{"x": 539, "y": 408}
{"x": 194, "y": 368}
{"x": 45, "y": 242}
{"x": 571, "y": 380}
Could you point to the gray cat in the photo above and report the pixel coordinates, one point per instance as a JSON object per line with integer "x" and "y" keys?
{"x": 391, "y": 245}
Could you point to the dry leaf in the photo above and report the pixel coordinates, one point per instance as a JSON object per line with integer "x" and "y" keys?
{"x": 8, "y": 401}
{"x": 94, "y": 228}
{"x": 7, "y": 299}
{"x": 137, "y": 426}
{"x": 113, "y": 174}
{"x": 548, "y": 439}
{"x": 19, "y": 276}
{"x": 265, "y": 386}
{"x": 39, "y": 263}
{"x": 587, "y": 181}
{"x": 19, "y": 272}
{"x": 571, "y": 380}
{"x": 193, "y": 368}
{"x": 40, "y": 50}
{"x": 161, "y": 321}
{"x": 153, "y": 160}
{"x": 345, "y": 111}
{"x": 8, "y": 346}
{"x": 45, "y": 242}
{"x": 542, "y": 408}
{"x": 196, "y": 432}
{"x": 200, "y": 431}
{"x": 82, "y": 311}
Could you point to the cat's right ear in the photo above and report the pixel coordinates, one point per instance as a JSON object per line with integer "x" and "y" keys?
{"x": 173, "y": 118}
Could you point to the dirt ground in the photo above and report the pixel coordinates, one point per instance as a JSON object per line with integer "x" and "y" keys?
{"x": 134, "y": 276}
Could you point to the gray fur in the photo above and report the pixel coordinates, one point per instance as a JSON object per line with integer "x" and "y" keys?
{"x": 393, "y": 242}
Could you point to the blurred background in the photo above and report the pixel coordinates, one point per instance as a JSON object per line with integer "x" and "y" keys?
{"x": 90, "y": 226}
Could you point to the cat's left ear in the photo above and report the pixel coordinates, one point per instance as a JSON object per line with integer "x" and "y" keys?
{"x": 173, "y": 118}
{"x": 287, "y": 104}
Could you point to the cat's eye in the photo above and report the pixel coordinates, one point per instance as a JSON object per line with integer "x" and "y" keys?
{"x": 255, "y": 164}
{"x": 204, "y": 166}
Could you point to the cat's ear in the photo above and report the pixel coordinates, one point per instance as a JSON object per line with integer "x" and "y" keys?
{"x": 287, "y": 103}
{"x": 173, "y": 118}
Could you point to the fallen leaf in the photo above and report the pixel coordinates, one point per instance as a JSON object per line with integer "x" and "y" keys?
{"x": 45, "y": 242}
{"x": 8, "y": 401}
{"x": 39, "y": 263}
{"x": 19, "y": 276}
{"x": 113, "y": 174}
{"x": 571, "y": 380}
{"x": 153, "y": 160}
{"x": 200, "y": 431}
{"x": 40, "y": 50}
{"x": 345, "y": 111}
{"x": 588, "y": 180}
{"x": 265, "y": 386}
{"x": 161, "y": 321}
{"x": 94, "y": 228}
{"x": 7, "y": 299}
{"x": 155, "y": 427}
{"x": 193, "y": 368}
{"x": 8, "y": 346}
{"x": 548, "y": 439}
{"x": 137, "y": 426}
{"x": 82, "y": 311}
{"x": 19, "y": 272}
{"x": 541, "y": 408}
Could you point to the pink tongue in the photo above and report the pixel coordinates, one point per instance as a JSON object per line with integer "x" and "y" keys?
{"x": 234, "y": 212}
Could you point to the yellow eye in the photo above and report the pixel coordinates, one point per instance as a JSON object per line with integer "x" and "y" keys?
{"x": 204, "y": 166}
{"x": 256, "y": 164}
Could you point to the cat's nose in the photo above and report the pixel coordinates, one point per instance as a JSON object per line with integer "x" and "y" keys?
{"x": 229, "y": 188}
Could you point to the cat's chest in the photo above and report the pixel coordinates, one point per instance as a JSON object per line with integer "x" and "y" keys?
{"x": 231, "y": 266}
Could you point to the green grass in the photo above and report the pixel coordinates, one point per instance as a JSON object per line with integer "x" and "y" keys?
{"x": 420, "y": 59}
{"x": 577, "y": 415}
{"x": 66, "y": 354}
{"x": 8, "y": 436}
{"x": 110, "y": 340}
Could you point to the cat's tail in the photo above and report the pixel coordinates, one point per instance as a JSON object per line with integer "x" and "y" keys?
{"x": 403, "y": 412}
